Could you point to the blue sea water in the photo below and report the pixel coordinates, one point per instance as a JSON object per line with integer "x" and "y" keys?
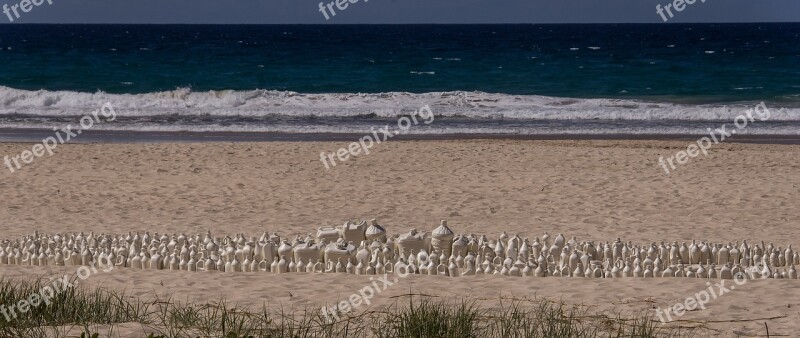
{"x": 625, "y": 78}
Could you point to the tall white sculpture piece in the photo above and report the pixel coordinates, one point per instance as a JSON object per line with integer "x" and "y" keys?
{"x": 442, "y": 239}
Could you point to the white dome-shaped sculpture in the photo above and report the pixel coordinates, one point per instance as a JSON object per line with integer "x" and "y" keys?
{"x": 442, "y": 239}
{"x": 375, "y": 232}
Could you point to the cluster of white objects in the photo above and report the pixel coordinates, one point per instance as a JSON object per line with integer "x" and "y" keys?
{"x": 365, "y": 249}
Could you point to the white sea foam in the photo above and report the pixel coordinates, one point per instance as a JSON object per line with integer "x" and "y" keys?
{"x": 185, "y": 102}
{"x": 435, "y": 130}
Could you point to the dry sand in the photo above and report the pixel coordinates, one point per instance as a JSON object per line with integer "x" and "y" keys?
{"x": 595, "y": 190}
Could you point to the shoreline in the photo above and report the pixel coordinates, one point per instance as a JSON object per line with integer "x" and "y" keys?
{"x": 13, "y": 135}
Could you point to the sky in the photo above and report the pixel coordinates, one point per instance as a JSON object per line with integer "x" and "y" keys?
{"x": 399, "y": 11}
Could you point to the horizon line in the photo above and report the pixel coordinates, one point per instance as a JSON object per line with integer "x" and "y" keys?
{"x": 397, "y": 24}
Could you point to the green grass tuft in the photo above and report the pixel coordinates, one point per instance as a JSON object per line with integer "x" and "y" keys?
{"x": 417, "y": 317}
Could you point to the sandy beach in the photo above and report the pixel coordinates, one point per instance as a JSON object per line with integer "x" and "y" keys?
{"x": 594, "y": 190}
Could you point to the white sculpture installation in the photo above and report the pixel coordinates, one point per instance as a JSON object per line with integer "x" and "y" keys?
{"x": 359, "y": 249}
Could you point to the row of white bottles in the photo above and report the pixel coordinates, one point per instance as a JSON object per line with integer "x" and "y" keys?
{"x": 442, "y": 252}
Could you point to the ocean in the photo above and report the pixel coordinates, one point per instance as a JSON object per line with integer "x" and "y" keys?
{"x": 587, "y": 79}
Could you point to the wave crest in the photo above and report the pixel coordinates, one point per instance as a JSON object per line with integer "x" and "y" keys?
{"x": 261, "y": 102}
